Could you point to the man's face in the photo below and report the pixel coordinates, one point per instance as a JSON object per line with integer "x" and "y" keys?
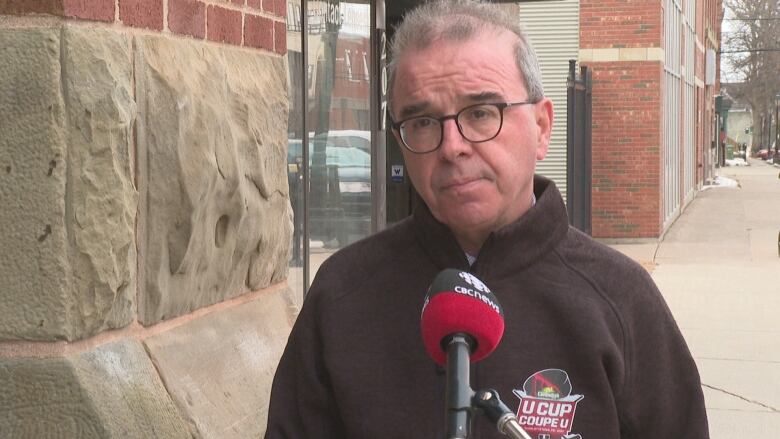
{"x": 473, "y": 188}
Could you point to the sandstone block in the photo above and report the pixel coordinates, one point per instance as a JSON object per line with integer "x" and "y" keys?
{"x": 111, "y": 391}
{"x": 215, "y": 218}
{"x": 68, "y": 202}
{"x": 606, "y": 55}
{"x": 219, "y": 368}
{"x": 656, "y": 54}
{"x": 34, "y": 264}
{"x": 633, "y": 54}
{"x": 102, "y": 198}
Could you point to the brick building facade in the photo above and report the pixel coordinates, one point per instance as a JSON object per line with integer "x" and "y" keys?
{"x": 148, "y": 194}
{"x": 653, "y": 109}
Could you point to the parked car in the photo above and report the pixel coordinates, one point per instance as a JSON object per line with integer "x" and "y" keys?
{"x": 340, "y": 190}
{"x": 347, "y": 138}
{"x": 764, "y": 154}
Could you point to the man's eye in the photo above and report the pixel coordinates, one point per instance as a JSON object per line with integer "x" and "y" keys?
{"x": 421, "y": 123}
{"x": 479, "y": 113}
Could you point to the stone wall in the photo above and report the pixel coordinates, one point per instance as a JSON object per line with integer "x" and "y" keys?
{"x": 145, "y": 215}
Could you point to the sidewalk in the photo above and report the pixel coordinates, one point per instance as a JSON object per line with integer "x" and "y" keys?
{"x": 719, "y": 270}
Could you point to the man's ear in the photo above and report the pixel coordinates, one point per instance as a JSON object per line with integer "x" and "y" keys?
{"x": 544, "y": 123}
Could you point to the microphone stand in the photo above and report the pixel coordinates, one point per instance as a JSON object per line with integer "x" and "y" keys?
{"x": 506, "y": 421}
{"x": 458, "y": 393}
{"x": 460, "y": 400}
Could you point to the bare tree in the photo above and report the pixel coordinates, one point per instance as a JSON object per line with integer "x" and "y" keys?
{"x": 752, "y": 46}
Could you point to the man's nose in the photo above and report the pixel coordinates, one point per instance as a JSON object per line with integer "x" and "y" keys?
{"x": 453, "y": 144}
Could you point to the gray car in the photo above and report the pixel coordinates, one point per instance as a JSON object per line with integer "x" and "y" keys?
{"x": 340, "y": 190}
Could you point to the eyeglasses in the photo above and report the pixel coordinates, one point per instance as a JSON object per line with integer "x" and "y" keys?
{"x": 476, "y": 123}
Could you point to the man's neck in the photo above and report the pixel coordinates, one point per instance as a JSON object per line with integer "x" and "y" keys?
{"x": 470, "y": 241}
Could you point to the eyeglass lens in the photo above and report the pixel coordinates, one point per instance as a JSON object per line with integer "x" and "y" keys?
{"x": 477, "y": 123}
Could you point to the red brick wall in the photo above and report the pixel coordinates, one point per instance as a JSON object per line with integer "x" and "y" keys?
{"x": 627, "y": 122}
{"x": 142, "y": 13}
{"x": 620, "y": 23}
{"x": 253, "y": 23}
{"x": 626, "y": 149}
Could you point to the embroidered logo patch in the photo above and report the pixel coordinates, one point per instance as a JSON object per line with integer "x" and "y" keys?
{"x": 547, "y": 406}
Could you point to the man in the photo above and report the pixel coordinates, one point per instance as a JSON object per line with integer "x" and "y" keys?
{"x": 590, "y": 349}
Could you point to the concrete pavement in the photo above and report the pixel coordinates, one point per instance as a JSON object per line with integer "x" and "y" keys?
{"x": 719, "y": 270}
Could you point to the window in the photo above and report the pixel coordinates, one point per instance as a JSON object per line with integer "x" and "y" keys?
{"x": 337, "y": 200}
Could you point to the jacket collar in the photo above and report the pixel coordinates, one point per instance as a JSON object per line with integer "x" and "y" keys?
{"x": 523, "y": 242}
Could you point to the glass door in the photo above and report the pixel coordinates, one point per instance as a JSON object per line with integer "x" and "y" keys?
{"x": 331, "y": 177}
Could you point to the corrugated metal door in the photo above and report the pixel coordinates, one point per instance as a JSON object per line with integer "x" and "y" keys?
{"x": 554, "y": 30}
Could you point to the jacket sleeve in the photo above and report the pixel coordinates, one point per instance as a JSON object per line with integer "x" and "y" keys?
{"x": 302, "y": 402}
{"x": 662, "y": 396}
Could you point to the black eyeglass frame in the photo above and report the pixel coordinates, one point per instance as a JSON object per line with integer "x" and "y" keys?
{"x": 500, "y": 105}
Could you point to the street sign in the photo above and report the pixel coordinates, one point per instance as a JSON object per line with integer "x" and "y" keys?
{"x": 397, "y": 173}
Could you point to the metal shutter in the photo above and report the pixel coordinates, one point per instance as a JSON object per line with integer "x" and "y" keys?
{"x": 554, "y": 30}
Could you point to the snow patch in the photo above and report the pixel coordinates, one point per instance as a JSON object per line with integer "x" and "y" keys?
{"x": 736, "y": 162}
{"x": 720, "y": 181}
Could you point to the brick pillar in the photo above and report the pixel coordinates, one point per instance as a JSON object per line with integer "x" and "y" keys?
{"x": 621, "y": 41}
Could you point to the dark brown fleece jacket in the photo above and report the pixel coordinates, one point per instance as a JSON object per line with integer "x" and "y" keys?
{"x": 590, "y": 347}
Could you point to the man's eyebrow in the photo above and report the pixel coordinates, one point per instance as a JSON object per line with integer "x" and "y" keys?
{"x": 485, "y": 96}
{"x": 412, "y": 109}
{"x": 417, "y": 108}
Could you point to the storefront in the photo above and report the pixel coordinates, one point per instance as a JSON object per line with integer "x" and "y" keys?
{"x": 334, "y": 70}
{"x": 337, "y": 84}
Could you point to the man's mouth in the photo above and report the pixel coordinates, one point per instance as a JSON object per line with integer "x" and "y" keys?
{"x": 460, "y": 184}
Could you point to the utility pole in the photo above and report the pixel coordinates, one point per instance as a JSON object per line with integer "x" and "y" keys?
{"x": 777, "y": 127}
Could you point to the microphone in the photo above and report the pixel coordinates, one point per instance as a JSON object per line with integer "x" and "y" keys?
{"x": 461, "y": 322}
{"x": 458, "y": 302}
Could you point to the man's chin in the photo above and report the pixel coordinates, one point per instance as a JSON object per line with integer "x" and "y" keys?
{"x": 466, "y": 219}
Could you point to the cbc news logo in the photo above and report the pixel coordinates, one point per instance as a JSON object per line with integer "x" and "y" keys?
{"x": 474, "y": 282}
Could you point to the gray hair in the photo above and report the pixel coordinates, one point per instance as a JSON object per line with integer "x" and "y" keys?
{"x": 461, "y": 20}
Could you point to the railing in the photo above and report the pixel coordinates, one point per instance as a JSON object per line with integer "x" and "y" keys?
{"x": 578, "y": 147}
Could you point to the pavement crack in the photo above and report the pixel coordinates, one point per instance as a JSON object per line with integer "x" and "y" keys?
{"x": 741, "y": 397}
{"x": 740, "y": 360}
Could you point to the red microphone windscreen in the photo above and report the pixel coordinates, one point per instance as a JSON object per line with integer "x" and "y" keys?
{"x": 459, "y": 302}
